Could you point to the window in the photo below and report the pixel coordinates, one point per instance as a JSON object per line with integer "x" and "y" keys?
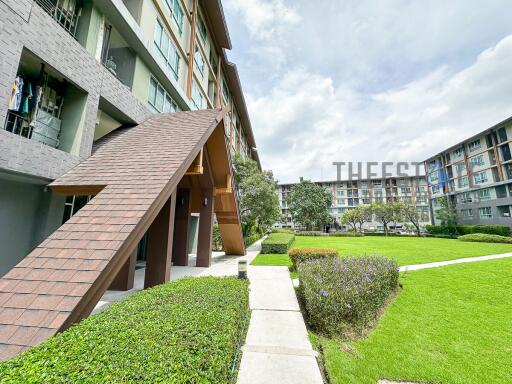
{"x": 159, "y": 101}
{"x": 460, "y": 168}
{"x": 466, "y": 198}
{"x": 201, "y": 28}
{"x": 73, "y": 204}
{"x": 166, "y": 50}
{"x": 421, "y": 200}
{"x": 474, "y": 145}
{"x": 339, "y": 202}
{"x": 197, "y": 96}
{"x": 463, "y": 182}
{"x": 420, "y": 189}
{"x": 225, "y": 92}
{"x": 406, "y": 190}
{"x": 365, "y": 192}
{"x": 434, "y": 176}
{"x": 174, "y": 9}
{"x": 477, "y": 161}
{"x": 340, "y": 193}
{"x": 502, "y": 134}
{"x": 480, "y": 177}
{"x": 467, "y": 212}
{"x": 458, "y": 152}
{"x": 484, "y": 194}
{"x": 199, "y": 60}
{"x": 436, "y": 189}
{"x": 485, "y": 212}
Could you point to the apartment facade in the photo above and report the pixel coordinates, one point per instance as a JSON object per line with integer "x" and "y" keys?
{"x": 475, "y": 176}
{"x": 347, "y": 194}
{"x": 73, "y": 71}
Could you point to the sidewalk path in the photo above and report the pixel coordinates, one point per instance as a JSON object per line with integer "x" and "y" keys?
{"x": 277, "y": 348}
{"x": 416, "y": 267}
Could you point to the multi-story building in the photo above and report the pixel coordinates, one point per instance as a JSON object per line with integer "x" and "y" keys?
{"x": 347, "y": 194}
{"x": 475, "y": 176}
{"x": 75, "y": 70}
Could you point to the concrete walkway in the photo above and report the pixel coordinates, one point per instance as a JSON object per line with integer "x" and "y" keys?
{"x": 277, "y": 348}
{"x": 416, "y": 267}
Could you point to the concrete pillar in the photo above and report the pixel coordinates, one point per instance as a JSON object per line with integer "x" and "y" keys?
{"x": 181, "y": 227}
{"x": 160, "y": 245}
{"x": 204, "y": 237}
{"x": 126, "y": 276}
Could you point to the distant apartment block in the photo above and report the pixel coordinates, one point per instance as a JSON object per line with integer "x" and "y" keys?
{"x": 348, "y": 194}
{"x": 476, "y": 177}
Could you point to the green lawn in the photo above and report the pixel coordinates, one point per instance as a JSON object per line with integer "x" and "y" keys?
{"x": 405, "y": 250}
{"x": 448, "y": 325}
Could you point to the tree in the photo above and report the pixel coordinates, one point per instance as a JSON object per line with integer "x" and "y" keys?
{"x": 350, "y": 218}
{"x": 258, "y": 201}
{"x": 412, "y": 215}
{"x": 365, "y": 213}
{"x": 447, "y": 214}
{"x": 309, "y": 204}
{"x": 384, "y": 214}
{"x": 398, "y": 208}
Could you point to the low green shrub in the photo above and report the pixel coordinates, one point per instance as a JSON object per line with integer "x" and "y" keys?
{"x": 343, "y": 296}
{"x": 281, "y": 230}
{"x": 486, "y": 238}
{"x": 300, "y": 255}
{"x": 381, "y": 234}
{"x": 186, "y": 331}
{"x": 311, "y": 233}
{"x": 277, "y": 243}
{"x": 442, "y": 236}
{"x": 217, "y": 238}
{"x": 495, "y": 229}
{"x": 346, "y": 234}
{"x": 251, "y": 239}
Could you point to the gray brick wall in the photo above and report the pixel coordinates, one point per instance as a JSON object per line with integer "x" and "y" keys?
{"x": 25, "y": 25}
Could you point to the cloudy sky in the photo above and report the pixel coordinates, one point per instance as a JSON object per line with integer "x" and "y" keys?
{"x": 368, "y": 80}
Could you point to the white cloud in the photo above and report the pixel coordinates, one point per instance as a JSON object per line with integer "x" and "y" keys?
{"x": 305, "y": 122}
{"x": 264, "y": 19}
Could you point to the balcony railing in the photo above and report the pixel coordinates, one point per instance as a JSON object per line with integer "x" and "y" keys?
{"x": 65, "y": 12}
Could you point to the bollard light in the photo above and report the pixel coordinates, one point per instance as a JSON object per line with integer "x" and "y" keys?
{"x": 242, "y": 269}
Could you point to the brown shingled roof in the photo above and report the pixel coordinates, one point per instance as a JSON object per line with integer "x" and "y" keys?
{"x": 132, "y": 172}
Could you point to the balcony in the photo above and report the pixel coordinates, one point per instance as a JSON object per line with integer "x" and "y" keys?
{"x": 65, "y": 12}
{"x": 44, "y": 106}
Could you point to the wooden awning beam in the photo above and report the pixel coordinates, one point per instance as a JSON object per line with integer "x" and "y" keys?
{"x": 196, "y": 168}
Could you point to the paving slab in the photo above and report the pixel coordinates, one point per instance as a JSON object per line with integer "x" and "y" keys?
{"x": 274, "y": 292}
{"x": 416, "y": 267}
{"x": 269, "y": 368}
{"x": 278, "y": 328}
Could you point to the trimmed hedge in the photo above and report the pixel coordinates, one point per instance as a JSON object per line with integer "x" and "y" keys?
{"x": 249, "y": 240}
{"x": 343, "y": 296}
{"x": 496, "y": 229}
{"x": 486, "y": 238}
{"x": 300, "y": 255}
{"x": 311, "y": 233}
{"x": 186, "y": 331}
{"x": 277, "y": 243}
{"x": 217, "y": 238}
{"x": 381, "y": 234}
{"x": 281, "y": 230}
{"x": 346, "y": 234}
{"x": 442, "y": 236}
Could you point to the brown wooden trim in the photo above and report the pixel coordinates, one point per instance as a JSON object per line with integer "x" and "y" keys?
{"x": 197, "y": 166}
{"x": 181, "y": 227}
{"x": 205, "y": 230}
{"x": 497, "y": 156}
{"x": 78, "y": 190}
{"x": 191, "y": 50}
{"x": 126, "y": 277}
{"x": 218, "y": 99}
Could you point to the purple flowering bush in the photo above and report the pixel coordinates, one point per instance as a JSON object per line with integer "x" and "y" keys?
{"x": 343, "y": 296}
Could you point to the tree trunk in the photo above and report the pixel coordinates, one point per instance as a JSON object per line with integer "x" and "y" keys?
{"x": 417, "y": 229}
{"x": 386, "y": 229}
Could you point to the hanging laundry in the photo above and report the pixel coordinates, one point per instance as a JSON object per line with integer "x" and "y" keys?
{"x": 27, "y": 95}
{"x": 16, "y": 93}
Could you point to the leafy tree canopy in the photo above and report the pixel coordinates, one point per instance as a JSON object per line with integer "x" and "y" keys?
{"x": 309, "y": 204}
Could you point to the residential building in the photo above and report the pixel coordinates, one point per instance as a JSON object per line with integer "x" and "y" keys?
{"x": 120, "y": 120}
{"x": 347, "y": 194}
{"x": 475, "y": 176}
{"x": 73, "y": 71}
